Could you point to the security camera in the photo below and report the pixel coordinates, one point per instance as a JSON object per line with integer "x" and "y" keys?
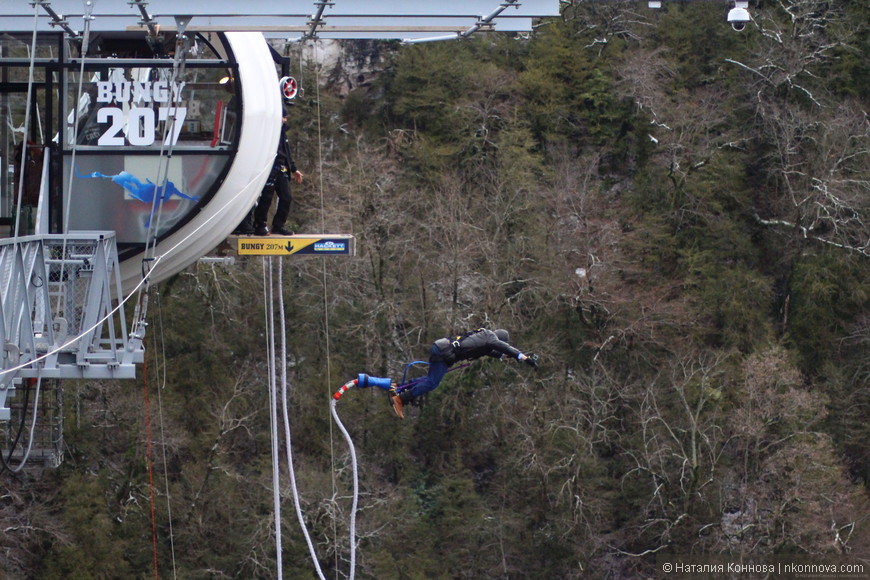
{"x": 739, "y": 15}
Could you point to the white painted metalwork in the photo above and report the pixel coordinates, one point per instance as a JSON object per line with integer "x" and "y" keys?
{"x": 61, "y": 311}
{"x": 333, "y": 19}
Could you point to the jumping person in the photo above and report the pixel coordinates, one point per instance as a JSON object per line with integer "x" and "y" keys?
{"x": 447, "y": 351}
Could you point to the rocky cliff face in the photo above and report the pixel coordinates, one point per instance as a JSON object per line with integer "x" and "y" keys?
{"x": 345, "y": 65}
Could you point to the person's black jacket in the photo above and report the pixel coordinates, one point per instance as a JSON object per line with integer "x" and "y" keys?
{"x": 480, "y": 343}
{"x": 284, "y": 157}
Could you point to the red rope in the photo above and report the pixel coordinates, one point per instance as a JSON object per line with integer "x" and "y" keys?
{"x": 150, "y": 461}
{"x": 216, "y": 132}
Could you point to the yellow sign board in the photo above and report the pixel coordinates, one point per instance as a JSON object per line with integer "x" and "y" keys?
{"x": 322, "y": 244}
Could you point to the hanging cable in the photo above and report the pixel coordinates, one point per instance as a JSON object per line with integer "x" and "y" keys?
{"x": 323, "y": 261}
{"x": 288, "y": 445}
{"x": 327, "y": 333}
{"x": 26, "y": 455}
{"x": 87, "y": 17}
{"x": 4, "y": 461}
{"x": 273, "y": 407}
{"x": 150, "y": 465}
{"x": 160, "y": 355}
{"x": 88, "y": 10}
{"x": 17, "y": 232}
{"x": 154, "y": 217}
{"x": 151, "y": 234}
{"x": 178, "y": 68}
{"x": 26, "y": 134}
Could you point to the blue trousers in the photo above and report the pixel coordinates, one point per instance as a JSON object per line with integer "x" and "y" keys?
{"x": 437, "y": 370}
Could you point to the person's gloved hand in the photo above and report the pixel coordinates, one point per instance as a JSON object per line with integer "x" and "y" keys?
{"x": 531, "y": 360}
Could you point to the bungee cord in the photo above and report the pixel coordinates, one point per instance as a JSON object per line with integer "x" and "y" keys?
{"x": 268, "y": 297}
{"x": 365, "y": 381}
{"x": 288, "y": 446}
{"x": 269, "y": 284}
{"x": 273, "y": 408}
{"x": 355, "y": 501}
{"x": 332, "y": 404}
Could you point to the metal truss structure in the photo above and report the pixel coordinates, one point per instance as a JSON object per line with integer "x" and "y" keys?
{"x": 61, "y": 311}
{"x": 292, "y": 20}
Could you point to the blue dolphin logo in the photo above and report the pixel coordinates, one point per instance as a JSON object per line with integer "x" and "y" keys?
{"x": 143, "y": 191}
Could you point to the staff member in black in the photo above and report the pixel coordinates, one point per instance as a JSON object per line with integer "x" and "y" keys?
{"x": 278, "y": 182}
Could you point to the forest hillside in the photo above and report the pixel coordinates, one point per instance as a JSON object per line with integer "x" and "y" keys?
{"x": 673, "y": 215}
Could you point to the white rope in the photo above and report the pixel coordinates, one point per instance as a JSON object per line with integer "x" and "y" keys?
{"x": 353, "y": 506}
{"x": 160, "y": 355}
{"x": 273, "y": 408}
{"x": 296, "y": 501}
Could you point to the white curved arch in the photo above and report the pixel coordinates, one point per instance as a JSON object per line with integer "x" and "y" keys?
{"x": 260, "y": 127}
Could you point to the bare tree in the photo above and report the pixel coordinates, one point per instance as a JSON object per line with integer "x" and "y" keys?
{"x": 679, "y": 450}
{"x": 786, "y": 487}
{"x": 820, "y": 143}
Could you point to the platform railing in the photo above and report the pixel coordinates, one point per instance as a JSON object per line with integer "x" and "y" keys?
{"x": 59, "y": 313}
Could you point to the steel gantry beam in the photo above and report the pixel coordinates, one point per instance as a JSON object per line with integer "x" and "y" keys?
{"x": 321, "y": 18}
